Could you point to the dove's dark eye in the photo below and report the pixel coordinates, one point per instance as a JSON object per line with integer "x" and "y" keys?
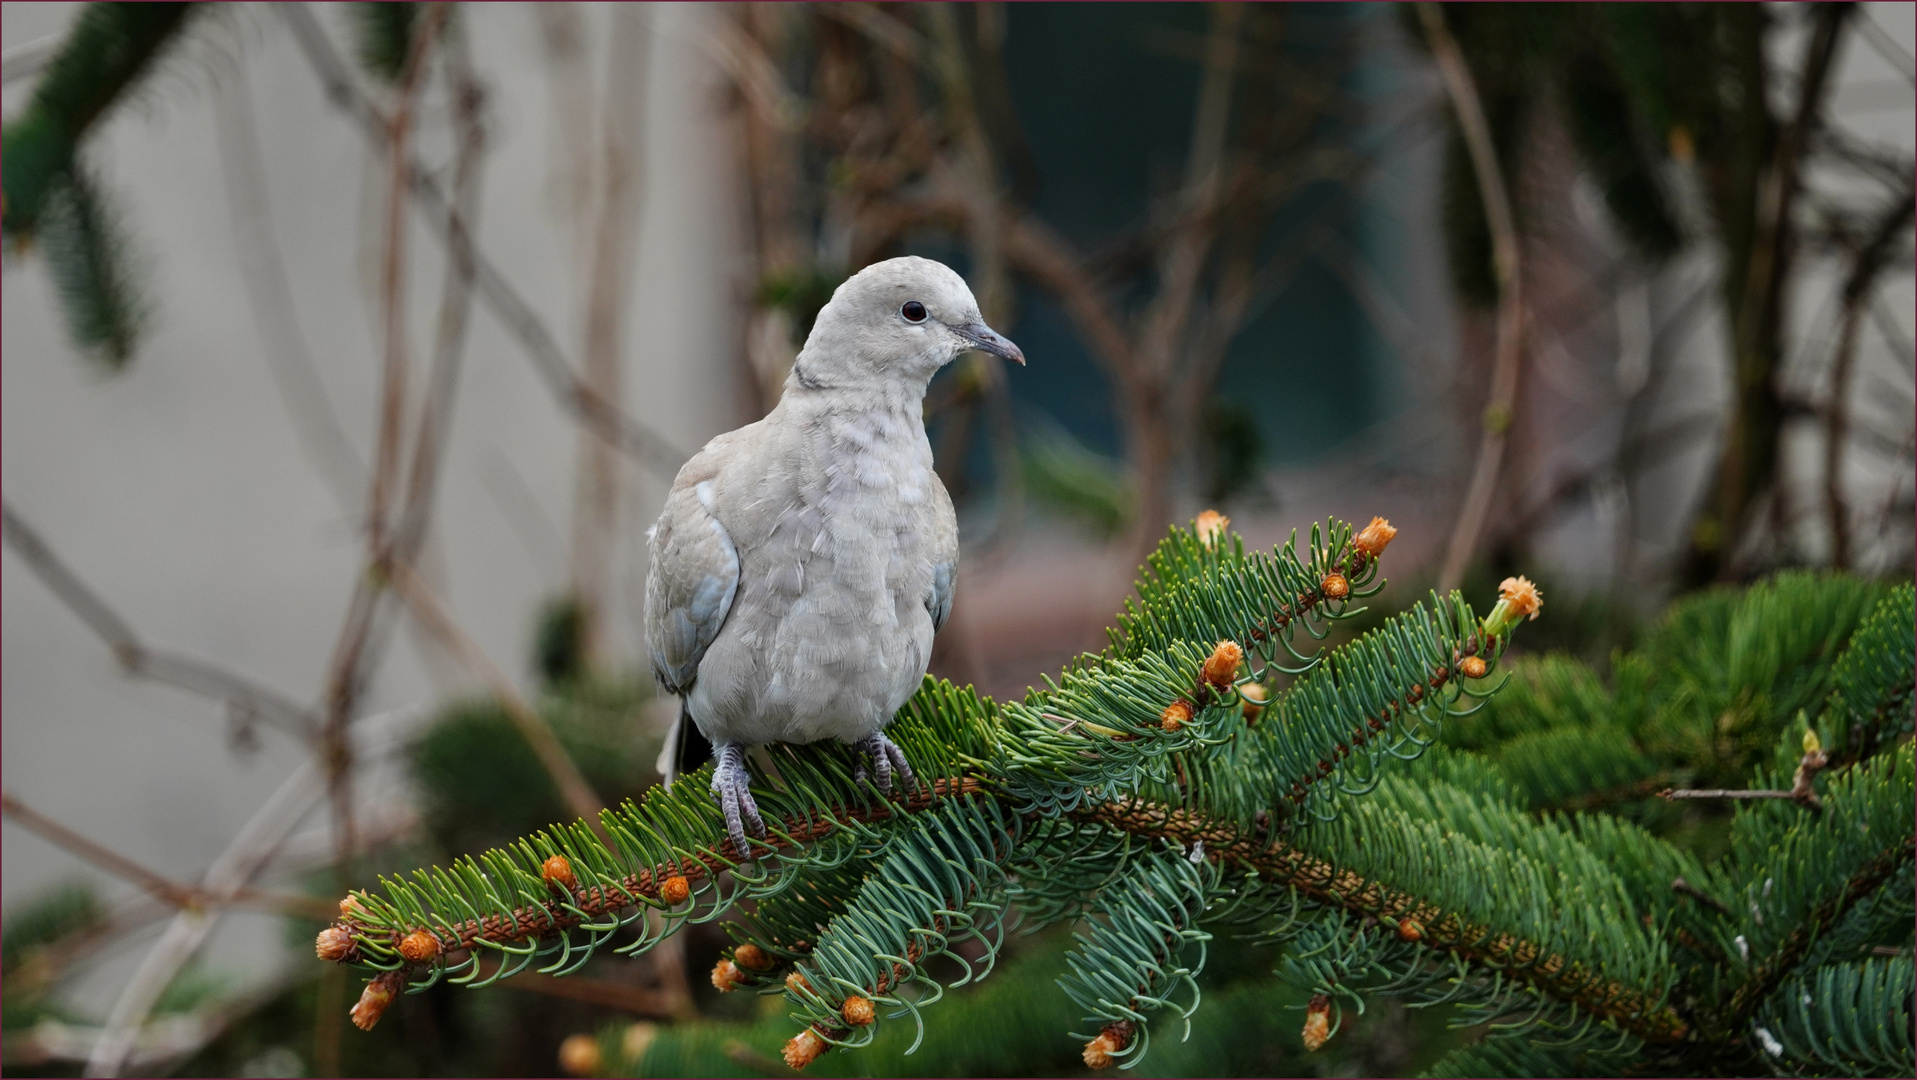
{"x": 913, "y": 311}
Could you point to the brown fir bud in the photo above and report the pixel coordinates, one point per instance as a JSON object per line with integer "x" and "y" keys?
{"x": 1221, "y": 667}
{"x": 727, "y": 976}
{"x": 803, "y": 1049}
{"x": 1317, "y": 1021}
{"x": 858, "y": 1011}
{"x": 1210, "y": 526}
{"x": 1113, "y": 1038}
{"x": 351, "y": 908}
{"x": 579, "y": 1055}
{"x": 797, "y": 983}
{"x": 1175, "y": 716}
{"x": 1334, "y": 586}
{"x": 675, "y": 891}
{"x": 419, "y": 946}
{"x": 1522, "y": 595}
{"x": 753, "y": 958}
{"x": 1473, "y": 667}
{"x": 558, "y": 874}
{"x": 375, "y": 998}
{"x": 333, "y": 945}
{"x": 1373, "y": 537}
{"x": 1410, "y": 930}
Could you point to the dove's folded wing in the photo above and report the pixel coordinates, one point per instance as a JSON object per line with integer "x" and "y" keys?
{"x": 694, "y": 578}
{"x": 945, "y": 554}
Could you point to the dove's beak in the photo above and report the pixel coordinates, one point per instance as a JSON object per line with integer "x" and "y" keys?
{"x": 984, "y": 337}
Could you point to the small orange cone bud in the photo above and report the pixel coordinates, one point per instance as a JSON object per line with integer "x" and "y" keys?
{"x": 375, "y": 998}
{"x": 1373, "y": 537}
{"x": 1317, "y": 1022}
{"x": 1210, "y": 526}
{"x": 796, "y": 983}
{"x": 1473, "y": 667}
{"x": 1175, "y": 716}
{"x": 1221, "y": 668}
{"x": 351, "y": 908}
{"x": 858, "y": 1011}
{"x": 1112, "y": 1039}
{"x": 675, "y": 891}
{"x": 1410, "y": 930}
{"x": 419, "y": 946}
{"x": 1523, "y": 596}
{"x": 726, "y": 976}
{"x": 753, "y": 958}
{"x": 1256, "y": 697}
{"x": 1334, "y": 586}
{"x": 803, "y": 1049}
{"x": 558, "y": 874}
{"x": 333, "y": 944}
{"x": 579, "y": 1055}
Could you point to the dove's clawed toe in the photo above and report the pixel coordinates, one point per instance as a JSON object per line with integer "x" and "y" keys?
{"x": 887, "y": 759}
{"x": 731, "y": 785}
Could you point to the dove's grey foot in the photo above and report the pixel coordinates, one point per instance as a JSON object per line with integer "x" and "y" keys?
{"x": 886, "y": 759}
{"x": 730, "y": 786}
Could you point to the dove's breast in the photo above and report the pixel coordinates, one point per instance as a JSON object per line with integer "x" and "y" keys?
{"x": 847, "y": 525}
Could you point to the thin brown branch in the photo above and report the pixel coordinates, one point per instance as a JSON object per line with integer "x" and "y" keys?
{"x": 426, "y": 607}
{"x": 1679, "y": 885}
{"x": 638, "y": 440}
{"x": 158, "y": 885}
{"x": 250, "y": 698}
{"x": 1859, "y": 286}
{"x": 1505, "y": 251}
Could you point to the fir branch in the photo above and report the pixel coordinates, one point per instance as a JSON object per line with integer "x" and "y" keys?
{"x": 532, "y": 922}
{"x": 1283, "y": 864}
{"x": 1859, "y": 886}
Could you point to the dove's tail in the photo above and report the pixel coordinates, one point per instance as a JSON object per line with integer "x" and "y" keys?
{"x": 686, "y": 748}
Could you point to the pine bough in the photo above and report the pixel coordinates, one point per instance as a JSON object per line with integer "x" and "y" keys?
{"x": 1170, "y": 788}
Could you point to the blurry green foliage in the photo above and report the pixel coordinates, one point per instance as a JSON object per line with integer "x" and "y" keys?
{"x": 1070, "y": 479}
{"x": 800, "y": 294}
{"x": 383, "y": 36}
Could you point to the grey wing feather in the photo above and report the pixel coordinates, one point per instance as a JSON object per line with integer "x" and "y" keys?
{"x": 939, "y": 601}
{"x": 693, "y": 580}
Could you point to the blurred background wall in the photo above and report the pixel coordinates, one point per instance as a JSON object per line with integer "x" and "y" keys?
{"x": 1326, "y": 360}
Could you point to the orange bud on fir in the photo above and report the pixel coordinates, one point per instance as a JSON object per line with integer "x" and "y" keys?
{"x": 419, "y": 946}
{"x": 1521, "y": 593}
{"x": 1335, "y": 586}
{"x": 579, "y": 1055}
{"x": 1210, "y": 526}
{"x": 675, "y": 891}
{"x": 375, "y": 998}
{"x": 803, "y": 1049}
{"x": 1317, "y": 1022}
{"x": 858, "y": 1011}
{"x": 1473, "y": 667}
{"x": 1373, "y": 537}
{"x": 1175, "y": 716}
{"x": 797, "y": 983}
{"x": 1113, "y": 1038}
{"x": 726, "y": 976}
{"x": 351, "y": 908}
{"x": 1410, "y": 930}
{"x": 333, "y": 944}
{"x": 752, "y": 958}
{"x": 1221, "y": 668}
{"x": 557, "y": 873}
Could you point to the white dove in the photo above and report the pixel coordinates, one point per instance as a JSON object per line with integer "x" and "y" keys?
{"x": 803, "y": 563}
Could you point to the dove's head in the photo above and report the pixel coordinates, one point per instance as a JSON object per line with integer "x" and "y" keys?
{"x": 895, "y": 322}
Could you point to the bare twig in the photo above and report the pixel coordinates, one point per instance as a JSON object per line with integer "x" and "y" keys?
{"x": 1801, "y": 792}
{"x": 159, "y": 885}
{"x": 615, "y": 228}
{"x": 425, "y": 606}
{"x": 1505, "y": 251}
{"x": 1869, "y": 261}
{"x": 269, "y": 292}
{"x": 252, "y": 699}
{"x": 634, "y": 438}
